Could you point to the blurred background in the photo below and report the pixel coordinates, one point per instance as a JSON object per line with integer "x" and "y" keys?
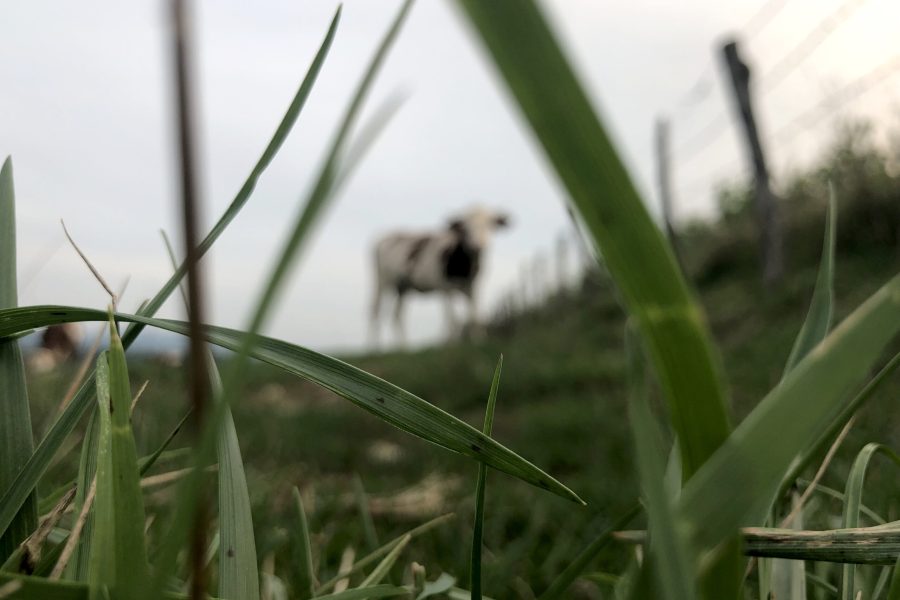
{"x": 89, "y": 125}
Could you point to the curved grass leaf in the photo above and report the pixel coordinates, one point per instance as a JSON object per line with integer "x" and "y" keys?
{"x": 387, "y": 401}
{"x": 654, "y": 291}
{"x": 16, "y": 495}
{"x": 478, "y": 528}
{"x": 306, "y": 576}
{"x": 801, "y": 408}
{"x": 77, "y": 569}
{"x": 853, "y": 501}
{"x": 821, "y": 308}
{"x": 16, "y": 441}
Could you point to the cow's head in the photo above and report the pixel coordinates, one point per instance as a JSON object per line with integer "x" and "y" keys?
{"x": 475, "y": 226}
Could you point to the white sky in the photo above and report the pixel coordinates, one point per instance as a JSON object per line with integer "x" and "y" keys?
{"x": 85, "y": 112}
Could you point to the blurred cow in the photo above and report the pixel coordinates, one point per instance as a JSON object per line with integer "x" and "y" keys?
{"x": 446, "y": 261}
{"x": 59, "y": 343}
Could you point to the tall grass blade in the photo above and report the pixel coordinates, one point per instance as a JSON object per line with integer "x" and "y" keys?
{"x": 575, "y": 568}
{"x": 118, "y": 558}
{"x": 15, "y": 496}
{"x": 362, "y": 593}
{"x": 16, "y": 441}
{"x": 387, "y": 401}
{"x": 853, "y": 501}
{"x": 478, "y": 528}
{"x": 384, "y": 567}
{"x": 539, "y": 76}
{"x": 238, "y": 569}
{"x": 818, "y": 319}
{"x": 77, "y": 568}
{"x": 306, "y": 576}
{"x": 670, "y": 553}
{"x": 365, "y": 515}
{"x": 894, "y": 590}
{"x": 792, "y": 416}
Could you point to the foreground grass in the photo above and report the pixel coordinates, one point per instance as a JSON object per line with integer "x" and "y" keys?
{"x": 562, "y": 404}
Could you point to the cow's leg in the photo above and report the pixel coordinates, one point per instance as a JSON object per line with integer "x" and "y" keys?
{"x": 375, "y": 315}
{"x": 398, "y": 319}
{"x": 450, "y": 315}
{"x": 472, "y": 327}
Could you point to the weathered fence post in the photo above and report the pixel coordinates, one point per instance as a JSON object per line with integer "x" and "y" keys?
{"x": 766, "y": 208}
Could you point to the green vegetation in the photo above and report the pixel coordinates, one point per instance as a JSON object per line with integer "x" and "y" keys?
{"x": 716, "y": 413}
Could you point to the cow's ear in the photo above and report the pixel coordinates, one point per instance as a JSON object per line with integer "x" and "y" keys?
{"x": 456, "y": 226}
{"x": 501, "y": 221}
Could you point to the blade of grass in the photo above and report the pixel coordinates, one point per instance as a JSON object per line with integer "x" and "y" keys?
{"x": 390, "y": 403}
{"x": 478, "y": 528}
{"x": 15, "y": 495}
{"x": 373, "y": 556}
{"x": 365, "y": 515}
{"x": 804, "y": 405}
{"x": 575, "y": 568}
{"x": 384, "y": 567}
{"x": 818, "y": 319}
{"x": 638, "y": 257}
{"x": 852, "y": 502}
{"x": 118, "y": 554}
{"x": 77, "y": 569}
{"x": 16, "y": 441}
{"x": 238, "y": 570}
{"x": 670, "y": 553}
{"x": 894, "y": 590}
{"x": 306, "y": 576}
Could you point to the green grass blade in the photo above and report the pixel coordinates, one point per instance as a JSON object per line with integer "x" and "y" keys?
{"x": 361, "y": 593}
{"x": 373, "y": 556}
{"x": 25, "y": 587}
{"x": 654, "y": 291}
{"x": 238, "y": 570}
{"x": 365, "y": 515}
{"x": 894, "y": 590}
{"x": 799, "y": 410}
{"x": 670, "y": 554}
{"x": 384, "y": 567}
{"x": 818, "y": 319}
{"x": 853, "y": 502}
{"x": 77, "y": 569}
{"x": 16, "y": 441}
{"x": 478, "y": 528}
{"x": 118, "y": 553}
{"x": 15, "y": 496}
{"x": 306, "y": 576}
{"x": 575, "y": 568}
{"x": 387, "y": 401}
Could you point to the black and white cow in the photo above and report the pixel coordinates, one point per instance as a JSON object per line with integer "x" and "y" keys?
{"x": 446, "y": 261}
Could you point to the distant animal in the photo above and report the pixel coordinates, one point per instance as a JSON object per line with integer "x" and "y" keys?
{"x": 446, "y": 261}
{"x": 59, "y": 343}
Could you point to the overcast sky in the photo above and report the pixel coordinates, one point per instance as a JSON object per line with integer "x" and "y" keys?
{"x": 85, "y": 112}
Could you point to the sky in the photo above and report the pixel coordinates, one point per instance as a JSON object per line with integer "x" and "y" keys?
{"x": 86, "y": 113}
